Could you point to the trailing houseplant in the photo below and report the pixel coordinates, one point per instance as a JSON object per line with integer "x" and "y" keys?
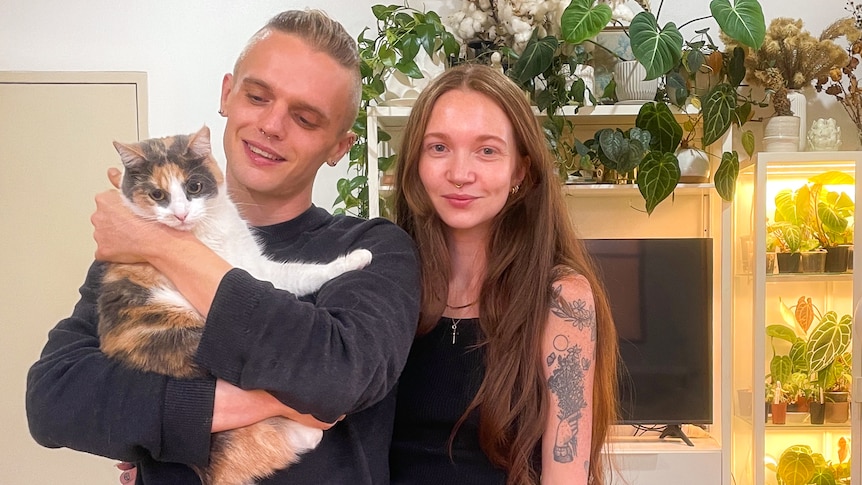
{"x": 402, "y": 32}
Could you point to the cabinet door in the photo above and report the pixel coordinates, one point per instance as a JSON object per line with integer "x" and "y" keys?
{"x": 56, "y": 131}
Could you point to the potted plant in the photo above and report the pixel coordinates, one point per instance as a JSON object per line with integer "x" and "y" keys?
{"x": 801, "y": 465}
{"x": 790, "y": 230}
{"x": 789, "y": 59}
{"x": 776, "y": 400}
{"x": 831, "y": 216}
{"x": 402, "y": 33}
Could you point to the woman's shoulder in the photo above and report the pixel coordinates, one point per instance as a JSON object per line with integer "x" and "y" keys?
{"x": 568, "y": 282}
{"x": 572, "y": 305}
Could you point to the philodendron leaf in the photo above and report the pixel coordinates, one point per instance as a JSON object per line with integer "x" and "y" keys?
{"x": 829, "y": 339}
{"x": 742, "y": 21}
{"x": 726, "y": 174}
{"x": 658, "y": 175}
{"x": 612, "y": 143}
{"x": 832, "y": 177}
{"x": 658, "y": 49}
{"x": 582, "y": 20}
{"x": 798, "y": 356}
{"x": 795, "y": 466}
{"x": 718, "y": 107}
{"x": 782, "y": 332}
{"x": 536, "y": 58}
{"x": 781, "y": 367}
{"x": 657, "y": 119}
{"x": 748, "y": 142}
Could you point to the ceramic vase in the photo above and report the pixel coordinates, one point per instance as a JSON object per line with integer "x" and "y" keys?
{"x": 781, "y": 134}
{"x": 631, "y": 86}
{"x": 693, "y": 166}
{"x": 799, "y": 107}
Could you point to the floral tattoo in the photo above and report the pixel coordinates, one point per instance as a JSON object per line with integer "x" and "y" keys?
{"x": 567, "y": 379}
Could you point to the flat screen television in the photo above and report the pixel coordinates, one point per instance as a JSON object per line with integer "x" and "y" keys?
{"x": 660, "y": 293}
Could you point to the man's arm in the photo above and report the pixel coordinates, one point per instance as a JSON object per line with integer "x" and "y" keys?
{"x": 78, "y": 398}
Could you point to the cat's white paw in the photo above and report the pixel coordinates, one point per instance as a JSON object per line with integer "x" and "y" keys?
{"x": 303, "y": 438}
{"x": 357, "y": 259}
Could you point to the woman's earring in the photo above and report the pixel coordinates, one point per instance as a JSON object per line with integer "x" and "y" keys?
{"x": 515, "y": 189}
{"x": 221, "y": 112}
{"x": 332, "y": 163}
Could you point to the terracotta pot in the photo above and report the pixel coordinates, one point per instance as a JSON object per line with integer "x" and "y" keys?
{"x": 779, "y": 413}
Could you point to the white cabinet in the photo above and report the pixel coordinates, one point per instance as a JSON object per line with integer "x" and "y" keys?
{"x": 757, "y": 294}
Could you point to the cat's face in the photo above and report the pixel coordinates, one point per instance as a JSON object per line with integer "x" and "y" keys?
{"x": 170, "y": 180}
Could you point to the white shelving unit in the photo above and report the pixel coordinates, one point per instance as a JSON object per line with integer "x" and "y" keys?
{"x": 755, "y": 304}
{"x": 617, "y": 211}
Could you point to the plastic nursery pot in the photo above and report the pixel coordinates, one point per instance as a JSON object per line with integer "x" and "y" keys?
{"x": 836, "y": 259}
{"x": 817, "y": 412}
{"x": 779, "y": 413}
{"x": 814, "y": 261}
{"x": 789, "y": 262}
{"x": 837, "y": 407}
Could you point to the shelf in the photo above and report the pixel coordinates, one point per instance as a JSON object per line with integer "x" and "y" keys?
{"x": 617, "y": 190}
{"x": 798, "y": 277}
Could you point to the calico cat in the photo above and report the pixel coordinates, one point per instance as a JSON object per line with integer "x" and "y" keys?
{"x": 148, "y": 325}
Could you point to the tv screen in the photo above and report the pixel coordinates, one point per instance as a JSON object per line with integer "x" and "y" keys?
{"x": 660, "y": 293}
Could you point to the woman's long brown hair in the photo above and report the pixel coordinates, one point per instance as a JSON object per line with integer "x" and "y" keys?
{"x": 533, "y": 244}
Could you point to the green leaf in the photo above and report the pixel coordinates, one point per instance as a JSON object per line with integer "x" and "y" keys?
{"x": 409, "y": 68}
{"x": 798, "y": 356}
{"x": 832, "y": 177}
{"x": 535, "y": 59}
{"x": 795, "y": 466}
{"x": 726, "y": 174}
{"x": 659, "y": 50}
{"x": 426, "y": 35}
{"x": 782, "y": 332}
{"x": 660, "y": 122}
{"x": 582, "y": 20}
{"x": 742, "y": 114}
{"x": 381, "y": 11}
{"x": 409, "y": 47}
{"x": 781, "y": 367}
{"x": 658, "y": 175}
{"x": 823, "y": 476}
{"x": 718, "y": 108}
{"x": 451, "y": 46}
{"x": 742, "y": 21}
{"x": 748, "y": 142}
{"x": 736, "y": 67}
{"x": 829, "y": 339}
{"x": 387, "y": 56}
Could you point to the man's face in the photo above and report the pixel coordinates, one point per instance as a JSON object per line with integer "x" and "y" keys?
{"x": 287, "y": 107}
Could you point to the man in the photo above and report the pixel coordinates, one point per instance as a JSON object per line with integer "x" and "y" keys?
{"x": 289, "y": 103}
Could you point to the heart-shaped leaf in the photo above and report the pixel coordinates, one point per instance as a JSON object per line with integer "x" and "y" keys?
{"x": 726, "y": 174}
{"x": 582, "y": 20}
{"x": 658, "y": 175}
{"x": 718, "y": 109}
{"x": 537, "y": 57}
{"x": 657, "y": 119}
{"x": 742, "y": 21}
{"x": 658, "y": 49}
{"x": 747, "y": 140}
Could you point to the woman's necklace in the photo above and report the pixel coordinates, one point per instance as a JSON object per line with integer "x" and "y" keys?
{"x": 455, "y": 323}
{"x": 461, "y": 307}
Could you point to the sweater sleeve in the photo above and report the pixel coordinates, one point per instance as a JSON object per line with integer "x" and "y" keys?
{"x": 339, "y": 354}
{"x": 78, "y": 398}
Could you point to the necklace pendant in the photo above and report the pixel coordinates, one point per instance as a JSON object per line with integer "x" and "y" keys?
{"x": 455, "y": 330}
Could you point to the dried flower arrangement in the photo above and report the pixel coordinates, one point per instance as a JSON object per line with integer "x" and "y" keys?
{"x": 841, "y": 82}
{"x": 790, "y": 58}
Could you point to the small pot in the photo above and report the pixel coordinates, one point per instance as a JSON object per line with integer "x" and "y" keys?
{"x": 836, "y": 259}
{"x": 779, "y": 413}
{"x": 816, "y": 410}
{"x": 770, "y": 263}
{"x": 630, "y": 82}
{"x": 814, "y": 261}
{"x": 837, "y": 407}
{"x": 789, "y": 262}
{"x": 801, "y": 405}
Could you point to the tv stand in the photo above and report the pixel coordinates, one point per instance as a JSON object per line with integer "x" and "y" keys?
{"x": 675, "y": 431}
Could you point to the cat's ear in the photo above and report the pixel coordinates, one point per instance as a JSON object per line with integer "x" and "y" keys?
{"x": 199, "y": 143}
{"x": 129, "y": 154}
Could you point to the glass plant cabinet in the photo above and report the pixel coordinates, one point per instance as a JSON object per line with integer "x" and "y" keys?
{"x": 793, "y": 326}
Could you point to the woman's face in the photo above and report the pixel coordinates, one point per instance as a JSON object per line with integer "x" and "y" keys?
{"x": 469, "y": 161}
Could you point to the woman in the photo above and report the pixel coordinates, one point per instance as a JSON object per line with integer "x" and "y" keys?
{"x": 512, "y": 376}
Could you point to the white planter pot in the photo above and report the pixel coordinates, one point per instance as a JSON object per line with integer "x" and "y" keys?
{"x": 629, "y": 77}
{"x": 799, "y": 107}
{"x": 781, "y": 134}
{"x": 693, "y": 166}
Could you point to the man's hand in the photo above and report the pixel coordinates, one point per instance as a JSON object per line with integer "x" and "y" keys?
{"x": 235, "y": 408}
